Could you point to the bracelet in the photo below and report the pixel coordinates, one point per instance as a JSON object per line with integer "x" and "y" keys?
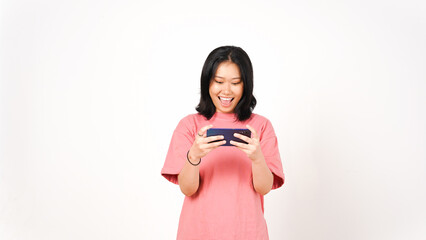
{"x": 187, "y": 157}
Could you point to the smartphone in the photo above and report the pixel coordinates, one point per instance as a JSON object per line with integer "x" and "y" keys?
{"x": 228, "y": 133}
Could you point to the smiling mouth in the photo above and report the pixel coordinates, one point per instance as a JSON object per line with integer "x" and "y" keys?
{"x": 226, "y": 102}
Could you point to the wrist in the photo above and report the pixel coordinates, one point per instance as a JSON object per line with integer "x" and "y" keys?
{"x": 258, "y": 160}
{"x": 193, "y": 157}
{"x": 194, "y": 161}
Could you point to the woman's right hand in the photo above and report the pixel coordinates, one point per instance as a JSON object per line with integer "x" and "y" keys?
{"x": 203, "y": 145}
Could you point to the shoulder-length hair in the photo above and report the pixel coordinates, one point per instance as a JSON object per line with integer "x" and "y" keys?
{"x": 237, "y": 55}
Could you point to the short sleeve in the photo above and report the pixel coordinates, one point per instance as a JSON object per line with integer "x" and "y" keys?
{"x": 269, "y": 146}
{"x": 181, "y": 142}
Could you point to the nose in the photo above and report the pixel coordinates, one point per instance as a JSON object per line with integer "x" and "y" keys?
{"x": 226, "y": 88}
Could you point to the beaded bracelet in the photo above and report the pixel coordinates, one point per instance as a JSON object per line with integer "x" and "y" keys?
{"x": 187, "y": 157}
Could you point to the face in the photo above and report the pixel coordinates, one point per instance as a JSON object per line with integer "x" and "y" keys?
{"x": 226, "y": 87}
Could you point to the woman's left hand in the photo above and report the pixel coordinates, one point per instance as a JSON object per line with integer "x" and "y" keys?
{"x": 252, "y": 147}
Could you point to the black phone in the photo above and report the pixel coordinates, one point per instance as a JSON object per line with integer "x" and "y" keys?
{"x": 228, "y": 134}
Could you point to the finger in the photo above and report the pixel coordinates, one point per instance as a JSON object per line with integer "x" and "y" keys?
{"x": 217, "y": 144}
{"x": 203, "y": 130}
{"x": 253, "y": 132}
{"x": 214, "y": 138}
{"x": 243, "y": 137}
{"x": 239, "y": 145}
{"x": 213, "y": 145}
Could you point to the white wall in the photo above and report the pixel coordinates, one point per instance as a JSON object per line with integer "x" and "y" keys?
{"x": 91, "y": 91}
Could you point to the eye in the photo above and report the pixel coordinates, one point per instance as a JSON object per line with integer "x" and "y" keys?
{"x": 219, "y": 82}
{"x": 236, "y": 83}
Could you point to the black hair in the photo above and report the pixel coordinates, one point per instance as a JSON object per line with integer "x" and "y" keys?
{"x": 236, "y": 55}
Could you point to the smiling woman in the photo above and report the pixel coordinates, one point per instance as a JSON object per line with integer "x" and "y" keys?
{"x": 224, "y": 193}
{"x": 226, "y": 89}
{"x": 228, "y": 66}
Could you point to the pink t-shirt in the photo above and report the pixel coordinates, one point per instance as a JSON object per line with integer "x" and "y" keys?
{"x": 226, "y": 206}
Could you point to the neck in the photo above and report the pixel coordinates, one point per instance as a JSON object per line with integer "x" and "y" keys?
{"x": 225, "y": 116}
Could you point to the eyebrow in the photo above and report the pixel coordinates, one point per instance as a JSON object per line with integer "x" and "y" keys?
{"x": 223, "y": 77}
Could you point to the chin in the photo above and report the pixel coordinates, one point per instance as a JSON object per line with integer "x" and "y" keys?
{"x": 225, "y": 110}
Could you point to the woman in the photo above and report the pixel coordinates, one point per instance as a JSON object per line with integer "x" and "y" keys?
{"x": 224, "y": 185}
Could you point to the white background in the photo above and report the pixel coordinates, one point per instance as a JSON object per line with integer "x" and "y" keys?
{"x": 91, "y": 92}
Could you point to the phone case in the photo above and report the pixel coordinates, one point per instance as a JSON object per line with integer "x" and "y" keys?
{"x": 228, "y": 133}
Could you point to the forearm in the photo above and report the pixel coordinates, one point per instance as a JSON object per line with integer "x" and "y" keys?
{"x": 262, "y": 176}
{"x": 189, "y": 177}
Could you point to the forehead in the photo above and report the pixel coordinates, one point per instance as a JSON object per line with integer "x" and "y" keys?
{"x": 228, "y": 69}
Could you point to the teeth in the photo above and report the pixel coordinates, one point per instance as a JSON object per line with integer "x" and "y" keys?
{"x": 226, "y": 99}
